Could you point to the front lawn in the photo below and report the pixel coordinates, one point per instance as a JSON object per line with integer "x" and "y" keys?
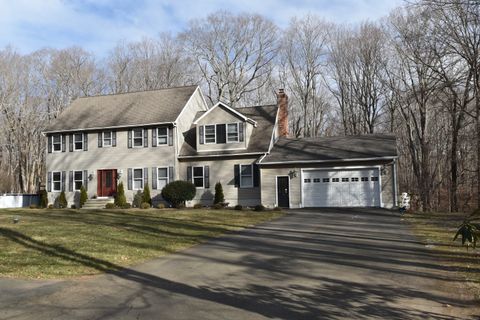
{"x": 436, "y": 230}
{"x": 62, "y": 243}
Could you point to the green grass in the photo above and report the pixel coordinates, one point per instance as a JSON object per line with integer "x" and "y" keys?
{"x": 437, "y": 230}
{"x": 64, "y": 243}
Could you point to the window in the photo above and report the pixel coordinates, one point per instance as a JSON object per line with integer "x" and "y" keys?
{"x": 198, "y": 177}
{"x": 354, "y": 179}
{"x": 162, "y": 135}
{"x": 137, "y": 138}
{"x": 345, "y": 179}
{"x": 107, "y": 139}
{"x": 210, "y": 134}
{"x": 57, "y": 143}
{"x": 335, "y": 179}
{"x": 326, "y": 180}
{"x": 78, "y": 141}
{"x": 138, "y": 179}
{"x": 307, "y": 180}
{"x": 246, "y": 176}
{"x": 77, "y": 180}
{"x": 374, "y": 179}
{"x": 232, "y": 132}
{"x": 162, "y": 177}
{"x": 364, "y": 179}
{"x": 56, "y": 181}
{"x": 316, "y": 180}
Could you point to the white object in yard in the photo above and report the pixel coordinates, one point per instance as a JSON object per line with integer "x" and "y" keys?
{"x": 405, "y": 201}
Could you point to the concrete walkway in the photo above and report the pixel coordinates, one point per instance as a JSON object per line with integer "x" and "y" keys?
{"x": 318, "y": 264}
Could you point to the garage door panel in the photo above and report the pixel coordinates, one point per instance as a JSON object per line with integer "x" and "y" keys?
{"x": 341, "y": 188}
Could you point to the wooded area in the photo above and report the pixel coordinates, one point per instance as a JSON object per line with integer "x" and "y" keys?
{"x": 415, "y": 73}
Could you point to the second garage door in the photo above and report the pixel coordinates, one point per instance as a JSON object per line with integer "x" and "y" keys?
{"x": 341, "y": 188}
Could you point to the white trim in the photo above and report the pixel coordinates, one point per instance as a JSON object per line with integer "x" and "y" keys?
{"x": 395, "y": 190}
{"x": 222, "y": 155}
{"x": 108, "y": 128}
{"x": 205, "y": 133}
{"x": 168, "y": 176}
{"x": 133, "y": 178}
{"x": 203, "y": 176}
{"x": 61, "y": 143}
{"x": 226, "y": 149}
{"x": 143, "y": 138}
{"x": 53, "y": 183}
{"x": 74, "y": 141}
{"x": 379, "y": 168}
{"x": 251, "y": 174}
{"x": 205, "y": 105}
{"x": 276, "y": 190}
{"x": 332, "y": 160}
{"x": 221, "y": 104}
{"x": 111, "y": 139}
{"x": 73, "y": 179}
{"x": 158, "y": 136}
{"x": 237, "y": 124}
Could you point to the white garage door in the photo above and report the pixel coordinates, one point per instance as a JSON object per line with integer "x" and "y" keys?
{"x": 341, "y": 188}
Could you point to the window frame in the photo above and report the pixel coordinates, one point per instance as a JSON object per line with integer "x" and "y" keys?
{"x": 103, "y": 139}
{"x": 374, "y": 179}
{"x": 135, "y": 179}
{"x": 82, "y": 180}
{"x": 236, "y": 124}
{"x": 166, "y": 178}
{"x": 58, "y": 181}
{"x": 242, "y": 185}
{"x": 133, "y": 137}
{"x": 202, "y": 176}
{"x": 59, "y": 143}
{"x": 74, "y": 136}
{"x": 214, "y": 133}
{"x": 162, "y": 136}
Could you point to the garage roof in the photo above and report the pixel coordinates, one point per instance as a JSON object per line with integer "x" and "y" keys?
{"x": 330, "y": 149}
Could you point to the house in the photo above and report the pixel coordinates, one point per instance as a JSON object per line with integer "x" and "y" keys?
{"x": 158, "y": 136}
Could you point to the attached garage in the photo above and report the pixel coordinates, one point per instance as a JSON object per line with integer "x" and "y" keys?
{"x": 349, "y": 171}
{"x": 341, "y": 188}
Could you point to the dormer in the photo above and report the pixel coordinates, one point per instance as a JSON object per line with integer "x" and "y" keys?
{"x": 223, "y": 128}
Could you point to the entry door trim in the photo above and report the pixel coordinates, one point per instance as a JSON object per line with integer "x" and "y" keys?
{"x": 276, "y": 189}
{"x": 100, "y": 182}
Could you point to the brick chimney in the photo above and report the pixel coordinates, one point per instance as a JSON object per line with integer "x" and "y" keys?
{"x": 282, "y": 102}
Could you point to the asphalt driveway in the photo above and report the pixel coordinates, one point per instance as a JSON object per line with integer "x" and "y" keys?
{"x": 317, "y": 264}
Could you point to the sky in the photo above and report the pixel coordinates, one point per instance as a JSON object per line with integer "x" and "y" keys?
{"x": 98, "y": 25}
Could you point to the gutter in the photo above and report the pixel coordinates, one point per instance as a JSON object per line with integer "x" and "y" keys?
{"x": 331, "y": 160}
{"x": 112, "y": 127}
{"x": 222, "y": 155}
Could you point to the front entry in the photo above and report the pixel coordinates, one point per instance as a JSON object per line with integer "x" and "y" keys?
{"x": 107, "y": 183}
{"x": 283, "y": 192}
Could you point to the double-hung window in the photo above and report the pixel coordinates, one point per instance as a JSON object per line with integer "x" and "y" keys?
{"x": 210, "y": 134}
{"x": 137, "y": 138}
{"x": 162, "y": 136}
{"x": 57, "y": 143}
{"x": 246, "y": 176}
{"x": 56, "y": 181}
{"x": 138, "y": 179}
{"x": 232, "y": 132}
{"x": 198, "y": 178}
{"x": 78, "y": 141}
{"x": 107, "y": 139}
{"x": 162, "y": 177}
{"x": 77, "y": 180}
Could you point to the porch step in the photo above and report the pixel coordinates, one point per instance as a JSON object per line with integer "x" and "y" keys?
{"x": 98, "y": 203}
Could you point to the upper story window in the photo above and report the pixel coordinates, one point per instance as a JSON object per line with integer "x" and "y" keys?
{"x": 221, "y": 133}
{"x": 210, "y": 136}
{"x": 137, "y": 138}
{"x": 107, "y": 139}
{"x": 57, "y": 142}
{"x": 78, "y": 141}
{"x": 162, "y": 136}
{"x": 232, "y": 132}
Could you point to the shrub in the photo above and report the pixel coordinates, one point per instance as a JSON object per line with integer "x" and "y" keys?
{"x": 238, "y": 207}
{"x": 61, "y": 201}
{"x": 277, "y": 209}
{"x": 177, "y": 192}
{"x": 43, "y": 199}
{"x": 146, "y": 195}
{"x": 145, "y": 205}
{"x": 219, "y": 197}
{"x": 33, "y": 206}
{"x": 259, "y": 208}
{"x": 126, "y": 206}
{"x": 120, "y": 199}
{"x": 160, "y": 206}
{"x": 197, "y": 206}
{"x": 110, "y": 206}
{"x": 218, "y": 206}
{"x": 73, "y": 206}
{"x": 180, "y": 206}
{"x": 137, "y": 199}
{"x": 83, "y": 196}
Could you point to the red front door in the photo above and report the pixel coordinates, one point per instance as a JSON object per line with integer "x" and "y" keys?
{"x": 107, "y": 183}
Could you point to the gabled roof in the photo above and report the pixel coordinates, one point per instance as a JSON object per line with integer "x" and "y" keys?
{"x": 259, "y": 142}
{"x": 331, "y": 149}
{"x": 228, "y": 109}
{"x": 123, "y": 110}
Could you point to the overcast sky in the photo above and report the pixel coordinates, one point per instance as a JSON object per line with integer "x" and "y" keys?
{"x": 97, "y": 25}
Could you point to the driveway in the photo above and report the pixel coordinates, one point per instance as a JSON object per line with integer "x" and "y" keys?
{"x": 310, "y": 264}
